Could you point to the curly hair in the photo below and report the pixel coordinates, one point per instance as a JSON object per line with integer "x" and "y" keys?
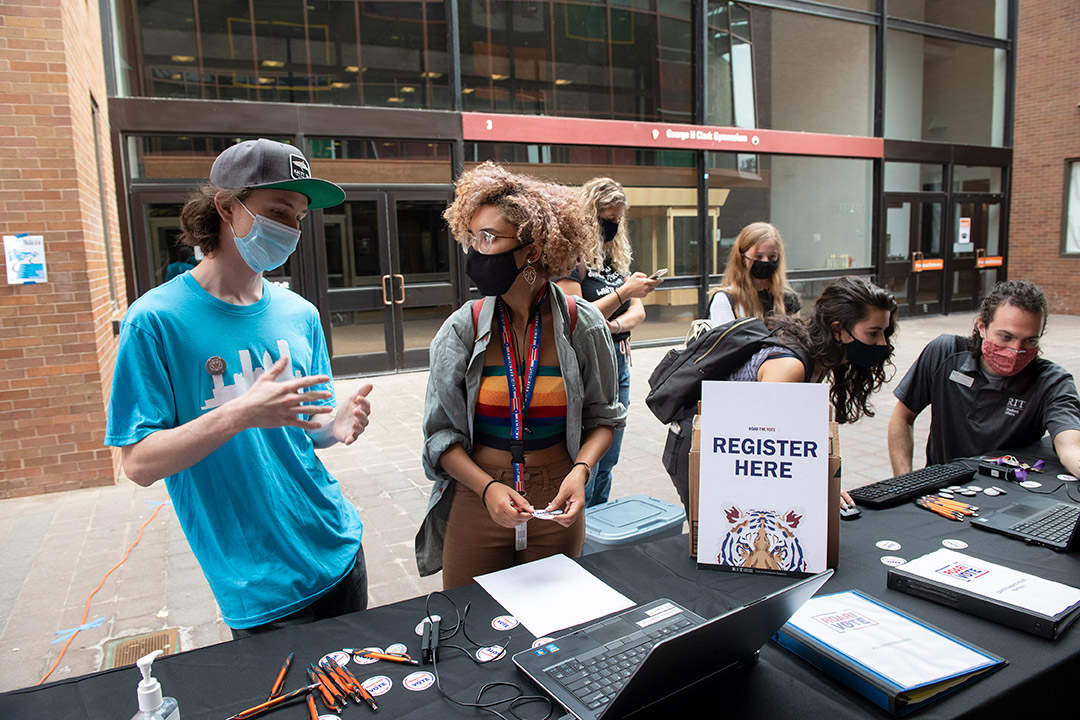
{"x": 598, "y": 195}
{"x": 1019, "y": 293}
{"x": 846, "y": 301}
{"x": 543, "y": 213}
{"x": 737, "y": 280}
{"x": 200, "y": 223}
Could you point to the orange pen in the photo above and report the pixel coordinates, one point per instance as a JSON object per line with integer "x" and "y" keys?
{"x": 280, "y": 681}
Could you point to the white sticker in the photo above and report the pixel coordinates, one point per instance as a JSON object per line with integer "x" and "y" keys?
{"x": 958, "y": 377}
{"x": 992, "y": 492}
{"x": 1067, "y": 478}
{"x": 954, "y": 488}
{"x": 892, "y": 560}
{"x": 975, "y": 488}
{"x": 397, "y": 649}
{"x": 1031, "y": 484}
{"x": 946, "y": 494}
{"x": 954, "y": 544}
{"x": 489, "y": 653}
{"x": 504, "y": 622}
{"x": 378, "y": 685}
{"x": 417, "y": 681}
{"x": 340, "y": 657}
{"x": 662, "y": 612}
{"x": 888, "y": 544}
{"x": 420, "y": 625}
{"x": 359, "y": 659}
{"x": 542, "y": 641}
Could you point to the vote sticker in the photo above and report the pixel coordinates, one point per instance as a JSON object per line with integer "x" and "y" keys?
{"x": 1067, "y": 478}
{"x": 420, "y": 625}
{"x": 946, "y": 494}
{"x": 378, "y": 685}
{"x": 417, "y": 681}
{"x": 340, "y": 657}
{"x": 954, "y": 544}
{"x": 888, "y": 544}
{"x": 542, "y": 641}
{"x": 489, "y": 653}
{"x": 397, "y": 649}
{"x": 975, "y": 488}
{"x": 1030, "y": 484}
{"x": 892, "y": 560}
{"x": 992, "y": 492}
{"x": 954, "y": 488}
{"x": 359, "y": 658}
{"x": 504, "y": 622}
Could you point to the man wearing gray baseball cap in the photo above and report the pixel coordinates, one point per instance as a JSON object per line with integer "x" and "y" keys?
{"x": 222, "y": 387}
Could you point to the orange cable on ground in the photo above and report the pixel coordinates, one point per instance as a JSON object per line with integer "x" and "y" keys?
{"x": 86, "y": 611}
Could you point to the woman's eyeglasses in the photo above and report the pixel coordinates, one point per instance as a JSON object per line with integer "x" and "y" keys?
{"x": 483, "y": 240}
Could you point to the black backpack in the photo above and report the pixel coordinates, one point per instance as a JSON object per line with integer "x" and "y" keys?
{"x": 675, "y": 384}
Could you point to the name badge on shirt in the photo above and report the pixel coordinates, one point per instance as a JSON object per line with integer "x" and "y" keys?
{"x": 958, "y": 377}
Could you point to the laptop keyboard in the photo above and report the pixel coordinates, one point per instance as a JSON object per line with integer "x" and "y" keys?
{"x": 595, "y": 679}
{"x": 1054, "y": 527}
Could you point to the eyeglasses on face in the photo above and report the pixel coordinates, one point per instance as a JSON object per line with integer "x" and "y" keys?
{"x": 483, "y": 240}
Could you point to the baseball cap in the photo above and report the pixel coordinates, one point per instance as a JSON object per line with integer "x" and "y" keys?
{"x": 262, "y": 163}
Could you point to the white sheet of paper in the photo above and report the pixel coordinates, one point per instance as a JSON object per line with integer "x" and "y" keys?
{"x": 552, "y": 594}
{"x": 891, "y": 645}
{"x": 995, "y": 581}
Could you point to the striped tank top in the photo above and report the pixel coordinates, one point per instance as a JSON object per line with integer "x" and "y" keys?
{"x": 545, "y": 423}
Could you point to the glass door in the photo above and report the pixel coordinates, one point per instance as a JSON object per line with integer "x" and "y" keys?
{"x": 389, "y": 278}
{"x": 975, "y": 261}
{"x": 914, "y": 261}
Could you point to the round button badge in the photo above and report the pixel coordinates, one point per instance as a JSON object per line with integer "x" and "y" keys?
{"x": 888, "y": 544}
{"x": 892, "y": 560}
{"x": 504, "y": 622}
{"x": 397, "y": 649}
{"x": 489, "y": 653}
{"x": 954, "y": 544}
{"x": 418, "y": 681}
{"x": 378, "y": 685}
{"x": 216, "y": 365}
{"x": 338, "y": 656}
{"x": 420, "y": 625}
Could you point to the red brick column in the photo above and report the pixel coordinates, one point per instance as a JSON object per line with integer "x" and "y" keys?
{"x": 56, "y": 341}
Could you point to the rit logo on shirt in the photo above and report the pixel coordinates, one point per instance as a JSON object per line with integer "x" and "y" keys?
{"x": 1014, "y": 407}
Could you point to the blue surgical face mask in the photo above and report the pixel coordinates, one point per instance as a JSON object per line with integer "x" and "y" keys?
{"x": 268, "y": 244}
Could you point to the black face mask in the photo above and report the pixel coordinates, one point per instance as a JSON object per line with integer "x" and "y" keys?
{"x": 862, "y": 355}
{"x": 763, "y": 269}
{"x": 610, "y": 229}
{"x": 493, "y": 274}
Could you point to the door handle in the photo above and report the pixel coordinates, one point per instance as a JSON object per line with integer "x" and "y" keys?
{"x": 401, "y": 279}
{"x": 384, "y": 280}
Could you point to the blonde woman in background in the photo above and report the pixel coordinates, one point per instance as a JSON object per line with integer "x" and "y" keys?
{"x": 605, "y": 280}
{"x": 755, "y": 279}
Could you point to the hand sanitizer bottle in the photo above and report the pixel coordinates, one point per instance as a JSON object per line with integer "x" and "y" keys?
{"x": 151, "y": 705}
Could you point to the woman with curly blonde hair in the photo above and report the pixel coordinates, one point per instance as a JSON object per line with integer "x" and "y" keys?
{"x": 522, "y": 398}
{"x": 755, "y": 279}
{"x": 604, "y": 280}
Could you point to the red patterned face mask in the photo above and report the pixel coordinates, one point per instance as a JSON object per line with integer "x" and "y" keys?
{"x": 1005, "y": 361}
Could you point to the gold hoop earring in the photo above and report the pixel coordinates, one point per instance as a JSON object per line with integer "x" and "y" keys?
{"x": 529, "y": 273}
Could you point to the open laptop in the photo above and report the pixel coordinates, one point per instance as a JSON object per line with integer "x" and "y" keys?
{"x": 1036, "y": 519}
{"x": 621, "y": 665}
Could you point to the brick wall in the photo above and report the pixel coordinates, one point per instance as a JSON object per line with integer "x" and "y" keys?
{"x": 1047, "y": 132}
{"x": 56, "y": 342}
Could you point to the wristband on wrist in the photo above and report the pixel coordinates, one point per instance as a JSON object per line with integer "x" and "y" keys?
{"x": 484, "y": 494}
{"x": 585, "y": 465}
{"x": 618, "y": 296}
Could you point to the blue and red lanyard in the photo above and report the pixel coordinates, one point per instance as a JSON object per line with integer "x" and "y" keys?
{"x": 520, "y": 397}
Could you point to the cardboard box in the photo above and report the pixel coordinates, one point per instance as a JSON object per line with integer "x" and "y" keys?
{"x": 832, "y": 554}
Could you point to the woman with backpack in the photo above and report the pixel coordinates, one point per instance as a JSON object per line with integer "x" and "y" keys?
{"x": 846, "y": 341}
{"x": 755, "y": 279}
{"x": 522, "y": 395}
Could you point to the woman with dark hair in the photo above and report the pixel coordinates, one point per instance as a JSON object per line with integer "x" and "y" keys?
{"x": 846, "y": 341}
{"x": 604, "y": 279}
{"x": 755, "y": 278}
{"x": 522, "y": 396}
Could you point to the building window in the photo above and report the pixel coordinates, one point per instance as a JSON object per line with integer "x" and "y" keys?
{"x": 1070, "y": 241}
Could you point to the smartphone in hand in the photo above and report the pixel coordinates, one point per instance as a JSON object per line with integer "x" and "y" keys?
{"x": 658, "y": 274}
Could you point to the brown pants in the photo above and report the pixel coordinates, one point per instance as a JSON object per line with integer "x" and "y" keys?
{"x": 475, "y": 545}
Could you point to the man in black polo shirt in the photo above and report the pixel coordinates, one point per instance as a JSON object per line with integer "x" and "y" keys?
{"x": 989, "y": 391}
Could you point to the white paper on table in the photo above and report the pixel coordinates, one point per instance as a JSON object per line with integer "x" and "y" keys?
{"x": 995, "y": 581}
{"x": 898, "y": 648}
{"x": 552, "y": 594}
